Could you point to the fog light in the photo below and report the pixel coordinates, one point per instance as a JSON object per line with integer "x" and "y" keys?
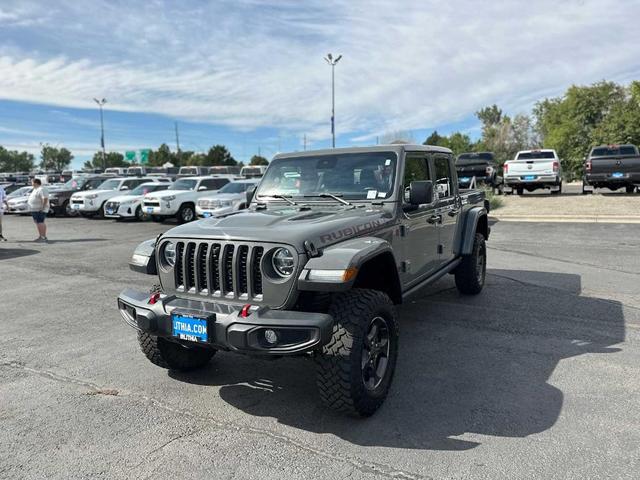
{"x": 271, "y": 337}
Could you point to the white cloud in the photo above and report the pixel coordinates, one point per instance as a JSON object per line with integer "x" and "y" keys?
{"x": 407, "y": 65}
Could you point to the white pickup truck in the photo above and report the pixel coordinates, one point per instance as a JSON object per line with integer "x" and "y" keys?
{"x": 532, "y": 170}
{"x": 91, "y": 203}
{"x": 180, "y": 199}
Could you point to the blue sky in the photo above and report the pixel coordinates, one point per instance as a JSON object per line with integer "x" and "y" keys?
{"x": 250, "y": 74}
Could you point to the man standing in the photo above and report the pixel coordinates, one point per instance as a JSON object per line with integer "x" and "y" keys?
{"x": 3, "y": 198}
{"x": 39, "y": 205}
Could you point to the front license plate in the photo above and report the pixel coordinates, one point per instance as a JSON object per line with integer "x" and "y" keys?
{"x": 189, "y": 327}
{"x": 206, "y": 214}
{"x": 530, "y": 177}
{"x": 76, "y": 207}
{"x": 465, "y": 179}
{"x": 109, "y": 211}
{"x": 149, "y": 209}
{"x": 617, "y": 175}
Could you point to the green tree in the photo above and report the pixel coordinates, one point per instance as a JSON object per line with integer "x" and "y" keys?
{"x": 258, "y": 160}
{"x": 112, "y": 159}
{"x": 14, "y": 161}
{"x": 571, "y": 124}
{"x": 52, "y": 158}
{"x": 162, "y": 155}
{"x": 219, "y": 155}
{"x": 437, "y": 140}
{"x": 458, "y": 142}
{"x": 489, "y": 116}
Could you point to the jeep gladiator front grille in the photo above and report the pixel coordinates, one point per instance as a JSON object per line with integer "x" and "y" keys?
{"x": 219, "y": 269}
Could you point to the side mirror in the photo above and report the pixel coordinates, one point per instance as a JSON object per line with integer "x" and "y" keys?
{"x": 124, "y": 187}
{"x": 421, "y": 192}
{"x": 202, "y": 188}
{"x": 250, "y": 193}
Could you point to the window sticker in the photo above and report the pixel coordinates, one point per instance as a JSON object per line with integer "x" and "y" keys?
{"x": 387, "y": 162}
{"x": 371, "y": 194}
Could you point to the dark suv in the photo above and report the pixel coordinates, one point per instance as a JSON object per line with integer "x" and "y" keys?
{"x": 59, "y": 199}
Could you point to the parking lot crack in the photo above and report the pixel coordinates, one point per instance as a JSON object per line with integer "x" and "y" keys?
{"x": 367, "y": 467}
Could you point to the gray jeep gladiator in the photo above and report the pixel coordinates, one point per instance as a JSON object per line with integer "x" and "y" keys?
{"x": 331, "y": 242}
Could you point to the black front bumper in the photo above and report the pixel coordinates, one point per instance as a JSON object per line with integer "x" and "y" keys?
{"x": 297, "y": 332}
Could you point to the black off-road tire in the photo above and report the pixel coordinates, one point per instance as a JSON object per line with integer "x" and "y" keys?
{"x": 520, "y": 190}
{"x": 184, "y": 216}
{"x": 340, "y": 372}
{"x": 157, "y": 218}
{"x": 630, "y": 188}
{"x": 470, "y": 274}
{"x": 139, "y": 216}
{"x": 172, "y": 355}
{"x": 557, "y": 192}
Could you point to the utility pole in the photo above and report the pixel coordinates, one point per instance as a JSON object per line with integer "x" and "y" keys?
{"x": 177, "y": 142}
{"x": 332, "y": 61}
{"x": 177, "y": 138}
{"x": 104, "y": 155}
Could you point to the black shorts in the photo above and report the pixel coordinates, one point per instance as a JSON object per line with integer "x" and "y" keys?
{"x": 38, "y": 217}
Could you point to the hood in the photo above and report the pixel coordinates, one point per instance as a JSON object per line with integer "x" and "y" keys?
{"x": 226, "y": 196}
{"x": 290, "y": 225}
{"x": 84, "y": 193}
{"x": 166, "y": 193}
{"x": 63, "y": 191}
{"x": 125, "y": 198}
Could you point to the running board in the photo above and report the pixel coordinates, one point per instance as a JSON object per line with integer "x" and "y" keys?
{"x": 432, "y": 278}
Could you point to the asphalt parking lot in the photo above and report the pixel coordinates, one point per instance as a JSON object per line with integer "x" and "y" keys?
{"x": 538, "y": 377}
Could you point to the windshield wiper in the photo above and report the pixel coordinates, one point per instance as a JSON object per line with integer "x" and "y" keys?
{"x": 330, "y": 195}
{"x": 285, "y": 198}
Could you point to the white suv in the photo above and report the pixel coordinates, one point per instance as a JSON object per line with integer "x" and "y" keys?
{"x": 91, "y": 202}
{"x": 129, "y": 205}
{"x": 180, "y": 199}
{"x": 231, "y": 197}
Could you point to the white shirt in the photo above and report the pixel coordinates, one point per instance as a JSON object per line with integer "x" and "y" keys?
{"x": 36, "y": 199}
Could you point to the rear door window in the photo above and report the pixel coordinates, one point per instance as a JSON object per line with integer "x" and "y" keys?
{"x": 443, "y": 181}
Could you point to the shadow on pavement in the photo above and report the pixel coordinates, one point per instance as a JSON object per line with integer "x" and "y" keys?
{"x": 7, "y": 253}
{"x": 476, "y": 365}
{"x": 78, "y": 240}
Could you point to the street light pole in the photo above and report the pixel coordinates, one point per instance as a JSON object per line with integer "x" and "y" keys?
{"x": 104, "y": 156}
{"x": 332, "y": 61}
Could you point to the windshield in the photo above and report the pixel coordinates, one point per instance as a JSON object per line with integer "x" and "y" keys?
{"x": 355, "y": 176}
{"x": 183, "y": 184}
{"x": 188, "y": 171}
{"x": 75, "y": 183}
{"x": 471, "y": 158}
{"x": 535, "y": 155}
{"x": 235, "y": 187}
{"x": 614, "y": 151}
{"x": 144, "y": 189}
{"x": 109, "y": 185}
{"x": 20, "y": 192}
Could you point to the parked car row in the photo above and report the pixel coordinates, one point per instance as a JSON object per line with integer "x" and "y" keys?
{"x": 158, "y": 198}
{"x": 607, "y": 166}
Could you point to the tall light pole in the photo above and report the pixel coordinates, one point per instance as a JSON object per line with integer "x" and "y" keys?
{"x": 104, "y": 156}
{"x": 332, "y": 61}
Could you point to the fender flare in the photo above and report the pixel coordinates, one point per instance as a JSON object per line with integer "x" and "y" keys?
{"x": 343, "y": 256}
{"x": 470, "y": 227}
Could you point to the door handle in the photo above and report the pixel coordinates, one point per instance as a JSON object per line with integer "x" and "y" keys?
{"x": 454, "y": 212}
{"x": 433, "y": 219}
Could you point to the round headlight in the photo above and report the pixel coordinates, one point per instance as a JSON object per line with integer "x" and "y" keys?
{"x": 282, "y": 261}
{"x": 169, "y": 254}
